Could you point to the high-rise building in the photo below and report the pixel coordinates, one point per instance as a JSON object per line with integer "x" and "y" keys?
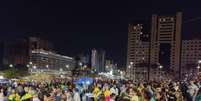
{"x": 98, "y": 60}
{"x": 94, "y": 58}
{"x": 166, "y": 41}
{"x": 138, "y": 51}
{"x": 190, "y": 56}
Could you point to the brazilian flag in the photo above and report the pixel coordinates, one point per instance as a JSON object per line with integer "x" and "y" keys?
{"x": 14, "y": 97}
{"x": 26, "y": 97}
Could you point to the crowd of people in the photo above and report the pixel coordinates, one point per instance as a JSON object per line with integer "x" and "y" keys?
{"x": 101, "y": 90}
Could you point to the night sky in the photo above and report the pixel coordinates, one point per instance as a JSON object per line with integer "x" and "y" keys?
{"x": 76, "y": 26}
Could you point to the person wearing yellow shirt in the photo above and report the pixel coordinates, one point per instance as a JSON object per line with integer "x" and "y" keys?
{"x": 96, "y": 93}
{"x": 14, "y": 96}
{"x": 107, "y": 93}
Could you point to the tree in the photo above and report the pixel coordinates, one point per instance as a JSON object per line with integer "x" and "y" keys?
{"x": 11, "y": 73}
{"x": 17, "y": 72}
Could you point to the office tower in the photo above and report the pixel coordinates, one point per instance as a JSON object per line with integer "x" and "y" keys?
{"x": 166, "y": 42}
{"x": 98, "y": 60}
{"x": 190, "y": 56}
{"x": 137, "y": 51}
{"x": 101, "y": 57}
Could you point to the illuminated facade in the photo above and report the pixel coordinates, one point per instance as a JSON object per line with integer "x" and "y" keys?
{"x": 46, "y": 60}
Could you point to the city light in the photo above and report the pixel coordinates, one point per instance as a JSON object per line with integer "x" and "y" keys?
{"x": 198, "y": 67}
{"x": 199, "y": 61}
{"x": 11, "y": 65}
{"x": 129, "y": 66}
{"x": 34, "y": 67}
{"x": 28, "y": 66}
{"x": 67, "y": 66}
{"x": 131, "y": 63}
{"x": 160, "y": 66}
{"x": 80, "y": 63}
{"x": 107, "y": 66}
{"x": 47, "y": 66}
{"x": 30, "y": 63}
{"x": 85, "y": 66}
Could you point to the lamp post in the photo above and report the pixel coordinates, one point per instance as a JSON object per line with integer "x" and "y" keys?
{"x": 67, "y": 66}
{"x": 47, "y": 66}
{"x": 34, "y": 67}
{"x": 129, "y": 67}
{"x": 160, "y": 67}
{"x": 131, "y": 64}
{"x": 198, "y": 67}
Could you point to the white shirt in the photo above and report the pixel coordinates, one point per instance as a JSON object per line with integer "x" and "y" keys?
{"x": 114, "y": 90}
{"x": 76, "y": 97}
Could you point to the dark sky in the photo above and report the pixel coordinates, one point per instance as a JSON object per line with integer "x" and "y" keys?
{"x": 75, "y": 26}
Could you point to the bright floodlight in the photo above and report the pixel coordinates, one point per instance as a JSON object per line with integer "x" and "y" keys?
{"x": 67, "y": 66}
{"x": 80, "y": 63}
{"x": 160, "y": 66}
{"x": 131, "y": 63}
{"x": 34, "y": 67}
{"x": 107, "y": 66}
{"x": 198, "y": 67}
{"x": 30, "y": 63}
{"x": 199, "y": 61}
{"x": 121, "y": 72}
{"x": 10, "y": 65}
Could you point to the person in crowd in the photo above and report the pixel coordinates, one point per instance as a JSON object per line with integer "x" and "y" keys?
{"x": 198, "y": 96}
{"x": 76, "y": 95}
{"x": 102, "y": 90}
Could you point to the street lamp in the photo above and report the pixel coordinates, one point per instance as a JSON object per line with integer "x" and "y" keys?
{"x": 47, "y": 66}
{"x": 67, "y": 66}
{"x": 34, "y": 67}
{"x": 80, "y": 63}
{"x": 129, "y": 67}
{"x": 131, "y": 63}
{"x": 11, "y": 65}
{"x": 199, "y": 61}
{"x": 198, "y": 67}
{"x": 160, "y": 67}
{"x": 28, "y": 66}
{"x": 30, "y": 63}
